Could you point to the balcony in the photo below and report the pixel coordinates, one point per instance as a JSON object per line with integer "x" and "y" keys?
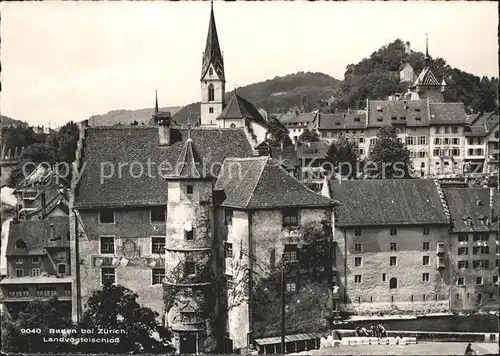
{"x": 441, "y": 263}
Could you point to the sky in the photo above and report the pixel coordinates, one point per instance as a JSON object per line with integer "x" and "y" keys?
{"x": 66, "y": 61}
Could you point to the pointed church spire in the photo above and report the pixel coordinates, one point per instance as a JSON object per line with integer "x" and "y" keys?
{"x": 213, "y": 54}
{"x": 427, "y": 60}
{"x": 156, "y": 102}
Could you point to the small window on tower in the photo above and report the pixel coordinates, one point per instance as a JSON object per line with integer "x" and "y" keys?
{"x": 211, "y": 110}
{"x": 211, "y": 71}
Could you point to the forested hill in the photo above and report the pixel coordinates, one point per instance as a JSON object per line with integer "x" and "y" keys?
{"x": 377, "y": 77}
{"x": 279, "y": 94}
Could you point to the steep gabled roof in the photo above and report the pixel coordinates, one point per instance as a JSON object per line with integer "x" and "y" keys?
{"x": 118, "y": 151}
{"x": 213, "y": 54}
{"x": 473, "y": 203}
{"x": 36, "y": 235}
{"x": 426, "y": 78}
{"x": 388, "y": 202}
{"x": 259, "y": 183}
{"x": 239, "y": 108}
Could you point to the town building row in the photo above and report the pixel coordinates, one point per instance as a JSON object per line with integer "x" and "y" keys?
{"x": 195, "y": 219}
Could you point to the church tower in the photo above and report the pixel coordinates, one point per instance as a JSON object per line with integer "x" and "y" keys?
{"x": 213, "y": 82}
{"x": 427, "y": 86}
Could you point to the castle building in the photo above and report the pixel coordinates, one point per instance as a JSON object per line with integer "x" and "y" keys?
{"x": 392, "y": 245}
{"x": 410, "y": 245}
{"x": 474, "y": 248}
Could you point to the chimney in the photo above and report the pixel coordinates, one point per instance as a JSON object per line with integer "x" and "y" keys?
{"x": 348, "y": 110}
{"x": 164, "y": 135}
{"x": 43, "y": 204}
{"x": 281, "y": 144}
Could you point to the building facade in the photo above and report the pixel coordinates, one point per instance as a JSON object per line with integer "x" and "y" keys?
{"x": 38, "y": 264}
{"x": 474, "y": 248}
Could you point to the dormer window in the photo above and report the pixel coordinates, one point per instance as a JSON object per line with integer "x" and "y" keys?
{"x": 394, "y": 118}
{"x": 211, "y": 71}
{"x": 417, "y": 109}
{"x": 418, "y": 118}
{"x": 379, "y": 108}
{"x": 357, "y": 119}
{"x": 379, "y": 119}
{"x": 20, "y": 244}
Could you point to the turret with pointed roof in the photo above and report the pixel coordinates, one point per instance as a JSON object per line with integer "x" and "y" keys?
{"x": 427, "y": 86}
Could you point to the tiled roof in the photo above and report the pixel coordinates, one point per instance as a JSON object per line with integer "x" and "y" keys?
{"x": 188, "y": 165}
{"x": 475, "y": 131}
{"x": 135, "y": 146}
{"x": 239, "y": 108}
{"x": 447, "y": 113}
{"x": 426, "y": 77}
{"x": 387, "y": 202}
{"x": 341, "y": 121}
{"x": 36, "y": 235}
{"x": 473, "y": 203}
{"x": 483, "y": 122}
{"x": 297, "y": 118}
{"x": 262, "y": 184}
{"x": 412, "y": 113}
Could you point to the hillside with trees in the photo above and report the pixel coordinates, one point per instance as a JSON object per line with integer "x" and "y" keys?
{"x": 377, "y": 77}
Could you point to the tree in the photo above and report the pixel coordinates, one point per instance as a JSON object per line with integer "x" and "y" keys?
{"x": 66, "y": 142}
{"x": 344, "y": 157}
{"x": 31, "y": 156}
{"x": 114, "y": 307}
{"x": 277, "y": 133}
{"x": 309, "y": 136}
{"x": 39, "y": 315}
{"x": 390, "y": 156}
{"x": 310, "y": 308}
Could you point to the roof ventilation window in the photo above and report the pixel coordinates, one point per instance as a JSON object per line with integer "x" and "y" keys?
{"x": 403, "y": 117}
{"x": 418, "y": 118}
{"x": 357, "y": 119}
{"x": 379, "y": 119}
{"x": 21, "y": 244}
{"x": 417, "y": 109}
{"x": 337, "y": 122}
{"x": 479, "y": 202}
{"x": 379, "y": 108}
{"x": 394, "y": 118}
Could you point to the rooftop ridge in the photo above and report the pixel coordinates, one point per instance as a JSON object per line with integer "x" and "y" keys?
{"x": 257, "y": 182}
{"x": 255, "y": 158}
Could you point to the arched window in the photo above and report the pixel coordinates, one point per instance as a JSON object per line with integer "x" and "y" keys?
{"x": 211, "y": 71}
{"x": 232, "y": 126}
{"x": 211, "y": 93}
{"x": 393, "y": 283}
